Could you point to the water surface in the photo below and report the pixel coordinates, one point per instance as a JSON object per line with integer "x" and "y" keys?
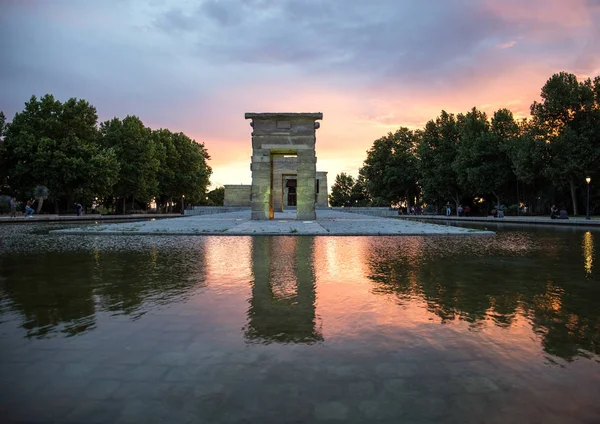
{"x": 300, "y": 329}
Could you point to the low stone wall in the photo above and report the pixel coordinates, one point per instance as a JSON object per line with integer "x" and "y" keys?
{"x": 368, "y": 211}
{"x": 530, "y": 220}
{"x": 209, "y": 210}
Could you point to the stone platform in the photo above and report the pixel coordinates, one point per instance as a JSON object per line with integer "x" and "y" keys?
{"x": 239, "y": 224}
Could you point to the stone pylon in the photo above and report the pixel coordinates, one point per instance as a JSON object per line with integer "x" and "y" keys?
{"x": 282, "y": 134}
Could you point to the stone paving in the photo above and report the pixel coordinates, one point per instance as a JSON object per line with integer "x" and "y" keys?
{"x": 238, "y": 223}
{"x": 173, "y": 369}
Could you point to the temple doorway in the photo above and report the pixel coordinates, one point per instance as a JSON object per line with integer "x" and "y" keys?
{"x": 291, "y": 192}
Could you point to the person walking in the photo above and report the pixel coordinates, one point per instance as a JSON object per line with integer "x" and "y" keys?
{"x": 448, "y": 209}
{"x": 13, "y": 207}
{"x": 79, "y": 209}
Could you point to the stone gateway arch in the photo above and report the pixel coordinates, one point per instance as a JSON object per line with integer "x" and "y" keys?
{"x": 276, "y": 135}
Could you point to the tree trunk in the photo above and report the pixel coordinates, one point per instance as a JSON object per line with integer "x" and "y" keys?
{"x": 124, "y": 204}
{"x": 40, "y": 201}
{"x": 132, "y": 203}
{"x": 573, "y": 198}
{"x": 456, "y": 200}
{"x": 497, "y": 200}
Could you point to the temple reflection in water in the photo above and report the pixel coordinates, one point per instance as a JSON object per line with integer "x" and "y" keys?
{"x": 282, "y": 304}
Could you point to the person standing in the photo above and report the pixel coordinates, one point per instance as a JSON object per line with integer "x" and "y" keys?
{"x": 13, "y": 207}
{"x": 448, "y": 209}
{"x": 79, "y": 209}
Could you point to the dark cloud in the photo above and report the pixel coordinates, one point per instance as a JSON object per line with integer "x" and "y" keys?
{"x": 221, "y": 13}
{"x": 186, "y": 50}
{"x": 174, "y": 20}
{"x": 384, "y": 38}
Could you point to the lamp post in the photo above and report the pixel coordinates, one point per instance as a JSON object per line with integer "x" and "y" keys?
{"x": 182, "y": 206}
{"x": 588, "y": 180}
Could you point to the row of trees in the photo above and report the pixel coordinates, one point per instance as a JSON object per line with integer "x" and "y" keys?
{"x": 121, "y": 162}
{"x": 467, "y": 157}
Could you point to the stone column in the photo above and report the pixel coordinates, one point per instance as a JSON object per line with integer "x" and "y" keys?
{"x": 261, "y": 184}
{"x": 305, "y": 189}
{"x": 277, "y": 186}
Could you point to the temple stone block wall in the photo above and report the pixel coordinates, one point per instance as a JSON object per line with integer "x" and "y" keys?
{"x": 274, "y": 136}
{"x": 237, "y": 195}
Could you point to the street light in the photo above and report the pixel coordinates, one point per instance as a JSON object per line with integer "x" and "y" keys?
{"x": 588, "y": 180}
{"x": 182, "y": 208}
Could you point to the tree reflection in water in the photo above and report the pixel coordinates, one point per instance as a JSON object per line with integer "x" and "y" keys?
{"x": 534, "y": 275}
{"x": 540, "y": 280}
{"x": 61, "y": 290}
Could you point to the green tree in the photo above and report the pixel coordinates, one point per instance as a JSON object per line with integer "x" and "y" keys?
{"x": 481, "y": 165}
{"x": 216, "y": 197}
{"x": 391, "y": 168}
{"x": 359, "y": 195}
{"x": 567, "y": 119}
{"x": 138, "y": 159}
{"x": 184, "y": 168}
{"x": 168, "y": 157}
{"x": 3, "y": 164}
{"x": 341, "y": 191}
{"x": 525, "y": 153}
{"x": 437, "y": 150}
{"x": 2, "y": 124}
{"x": 193, "y": 175}
{"x": 54, "y": 144}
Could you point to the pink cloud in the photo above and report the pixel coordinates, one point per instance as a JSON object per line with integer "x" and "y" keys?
{"x": 506, "y": 45}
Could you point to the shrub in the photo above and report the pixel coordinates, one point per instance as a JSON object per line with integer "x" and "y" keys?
{"x": 4, "y": 204}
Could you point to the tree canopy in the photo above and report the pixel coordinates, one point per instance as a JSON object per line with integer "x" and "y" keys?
{"x": 61, "y": 146}
{"x": 568, "y": 120}
{"x": 390, "y": 169}
{"x": 467, "y": 158}
{"x": 341, "y": 190}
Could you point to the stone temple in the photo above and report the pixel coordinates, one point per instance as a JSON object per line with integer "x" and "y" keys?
{"x": 283, "y": 167}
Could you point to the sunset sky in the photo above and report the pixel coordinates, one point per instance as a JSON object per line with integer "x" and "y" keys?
{"x": 370, "y": 67}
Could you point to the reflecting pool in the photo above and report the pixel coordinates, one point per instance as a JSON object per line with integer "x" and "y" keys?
{"x": 122, "y": 329}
